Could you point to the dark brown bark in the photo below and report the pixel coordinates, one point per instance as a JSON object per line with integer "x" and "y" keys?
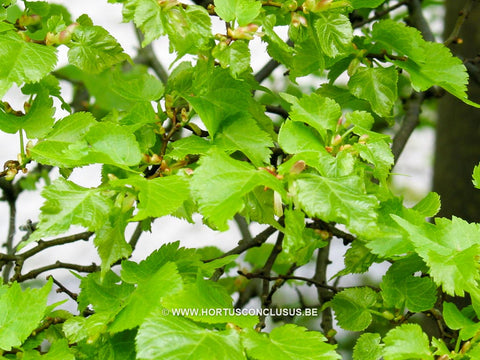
{"x": 457, "y": 148}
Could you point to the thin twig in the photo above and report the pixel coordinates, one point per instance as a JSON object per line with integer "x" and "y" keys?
{"x": 266, "y": 270}
{"x": 63, "y": 289}
{"x": 379, "y": 15}
{"x": 324, "y": 294}
{"x": 243, "y": 227}
{"x": 136, "y": 236}
{"x": 10, "y": 238}
{"x": 42, "y": 245}
{"x": 57, "y": 265}
{"x": 273, "y": 109}
{"x": 462, "y": 17}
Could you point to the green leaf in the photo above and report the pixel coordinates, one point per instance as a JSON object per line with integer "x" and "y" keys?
{"x": 36, "y": 122}
{"x": 22, "y": 61}
{"x": 246, "y": 136}
{"x": 21, "y": 313}
{"x": 160, "y": 196}
{"x": 319, "y": 112}
{"x": 244, "y": 11}
{"x": 450, "y": 249}
{"x": 172, "y": 338}
{"x": 359, "y": 4}
{"x": 368, "y": 347}
{"x": 361, "y": 119}
{"x": 93, "y": 49}
{"x": 279, "y": 344}
{"x": 220, "y": 183}
{"x": 208, "y": 297}
{"x": 400, "y": 288}
{"x": 456, "y": 320}
{"x": 110, "y": 240}
{"x": 137, "y": 86}
{"x": 148, "y": 16}
{"x": 295, "y": 137}
{"x": 476, "y": 176}
{"x": 191, "y": 145}
{"x": 352, "y": 306}
{"x": 59, "y": 350}
{"x": 147, "y": 297}
{"x": 405, "y": 342}
{"x": 68, "y": 204}
{"x": 404, "y": 40}
{"x": 235, "y": 56}
{"x": 340, "y": 199}
{"x": 220, "y": 99}
{"x": 105, "y": 295}
{"x": 358, "y": 259}
{"x": 112, "y": 144}
{"x": 335, "y": 33}
{"x": 429, "y": 205}
{"x": 376, "y": 85}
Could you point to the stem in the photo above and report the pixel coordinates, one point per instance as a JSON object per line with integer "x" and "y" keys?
{"x": 462, "y": 17}
{"x": 380, "y": 14}
{"x": 10, "y": 238}
{"x": 22, "y": 145}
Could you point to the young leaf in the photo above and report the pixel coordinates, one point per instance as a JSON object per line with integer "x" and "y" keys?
{"x": 340, "y": 199}
{"x": 358, "y": 4}
{"x": 319, "y": 112}
{"x": 335, "y": 33}
{"x": 279, "y": 345}
{"x": 172, "y": 338}
{"x": 456, "y": 320}
{"x": 67, "y": 204}
{"x": 21, "y": 313}
{"x": 358, "y": 259}
{"x": 235, "y": 56}
{"x": 429, "y": 205}
{"x": 220, "y": 183}
{"x": 376, "y": 85}
{"x": 160, "y": 196}
{"x": 400, "y": 288}
{"x": 22, "y": 61}
{"x": 244, "y": 11}
{"x": 405, "y": 342}
{"x": 476, "y": 176}
{"x": 351, "y": 308}
{"x": 147, "y": 297}
{"x": 450, "y": 250}
{"x": 368, "y": 347}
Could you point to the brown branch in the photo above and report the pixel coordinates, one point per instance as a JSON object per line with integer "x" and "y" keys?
{"x": 136, "y": 236}
{"x": 417, "y": 20}
{"x": 63, "y": 289}
{"x": 309, "y": 281}
{"x": 42, "y": 245}
{"x": 10, "y": 237}
{"x": 57, "y": 265}
{"x": 266, "y": 270}
{"x": 332, "y": 230}
{"x": 462, "y": 17}
{"x": 273, "y": 109}
{"x": 410, "y": 121}
{"x": 324, "y": 294}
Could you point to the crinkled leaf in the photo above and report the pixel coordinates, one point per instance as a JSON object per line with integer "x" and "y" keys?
{"x": 340, "y": 199}
{"x": 110, "y": 240}
{"x": 358, "y": 259}
{"x": 21, "y": 313}
{"x": 288, "y": 342}
{"x": 429, "y": 205}
{"x": 352, "y": 306}
{"x": 244, "y": 11}
{"x": 191, "y": 145}
{"x": 220, "y": 183}
{"x": 317, "y": 111}
{"x": 405, "y": 342}
{"x": 160, "y": 196}
{"x": 400, "y": 288}
{"x": 476, "y": 176}
{"x": 22, "y": 61}
{"x": 172, "y": 338}
{"x": 67, "y": 204}
{"x": 450, "y": 249}
{"x": 376, "y": 85}
{"x": 358, "y": 4}
{"x": 93, "y": 49}
{"x": 235, "y": 57}
{"x": 246, "y": 136}
{"x": 335, "y": 33}
{"x": 147, "y": 297}
{"x": 368, "y": 347}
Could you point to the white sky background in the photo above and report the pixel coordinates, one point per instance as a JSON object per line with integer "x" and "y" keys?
{"x": 415, "y": 165}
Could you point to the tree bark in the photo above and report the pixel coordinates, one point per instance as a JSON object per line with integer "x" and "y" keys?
{"x": 457, "y": 148}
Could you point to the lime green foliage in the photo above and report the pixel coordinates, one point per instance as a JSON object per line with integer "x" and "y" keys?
{"x": 297, "y": 154}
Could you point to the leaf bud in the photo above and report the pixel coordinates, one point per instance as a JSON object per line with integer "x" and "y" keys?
{"x": 243, "y": 32}
{"x": 298, "y": 20}
{"x": 337, "y": 140}
{"x": 388, "y": 315}
{"x": 290, "y": 5}
{"x": 363, "y": 139}
{"x": 11, "y": 174}
{"x": 298, "y": 167}
{"x": 277, "y": 204}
